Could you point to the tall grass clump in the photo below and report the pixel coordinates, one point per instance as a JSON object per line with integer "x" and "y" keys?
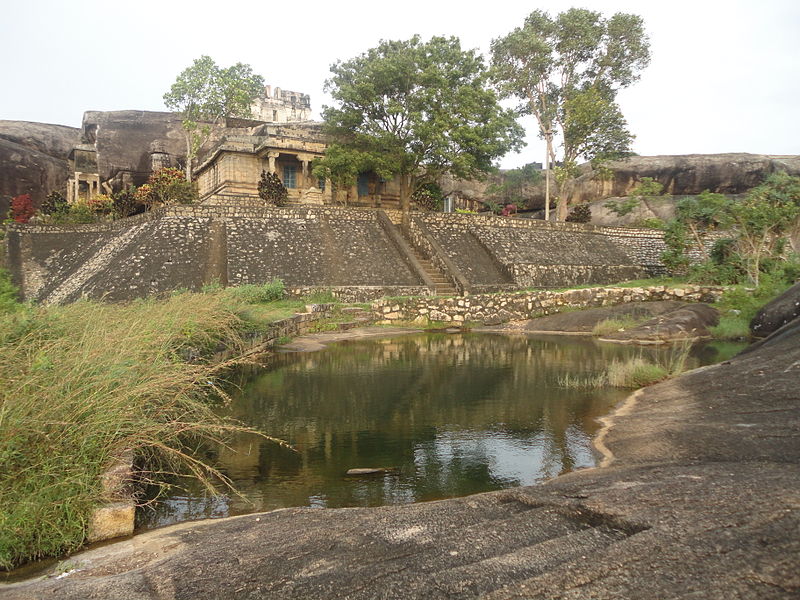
{"x": 634, "y": 372}
{"x": 257, "y": 294}
{"x": 83, "y": 383}
{"x": 607, "y": 326}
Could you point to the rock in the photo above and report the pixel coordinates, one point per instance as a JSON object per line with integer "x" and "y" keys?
{"x": 777, "y": 313}
{"x": 696, "y": 497}
{"x": 583, "y": 321}
{"x": 690, "y": 174}
{"x": 687, "y": 323}
{"x": 360, "y": 472}
{"x": 33, "y": 159}
{"x": 111, "y": 521}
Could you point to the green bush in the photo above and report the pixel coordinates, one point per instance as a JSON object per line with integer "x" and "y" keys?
{"x": 9, "y": 295}
{"x": 258, "y": 294}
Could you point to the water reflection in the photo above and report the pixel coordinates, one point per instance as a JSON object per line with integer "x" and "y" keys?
{"x": 449, "y": 414}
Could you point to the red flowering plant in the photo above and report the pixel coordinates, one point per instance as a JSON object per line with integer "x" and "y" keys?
{"x": 22, "y": 208}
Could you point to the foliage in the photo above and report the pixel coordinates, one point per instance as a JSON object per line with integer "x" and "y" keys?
{"x": 607, "y": 326}
{"x": 649, "y": 223}
{"x": 514, "y": 182}
{"x": 429, "y": 196}
{"x": 759, "y": 226}
{"x": 166, "y": 186}
{"x": 22, "y": 208}
{"x": 205, "y": 93}
{"x": 258, "y": 294}
{"x": 126, "y": 202}
{"x": 646, "y": 189}
{"x": 54, "y": 202}
{"x": 82, "y": 384}
{"x": 580, "y": 214}
{"x": 739, "y": 304}
{"x": 9, "y": 295}
{"x": 417, "y": 110}
{"x": 271, "y": 189}
{"x": 343, "y": 164}
{"x": 566, "y": 72}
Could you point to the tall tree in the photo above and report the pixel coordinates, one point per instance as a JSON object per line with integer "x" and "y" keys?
{"x": 566, "y": 72}
{"x": 419, "y": 109}
{"x": 205, "y": 94}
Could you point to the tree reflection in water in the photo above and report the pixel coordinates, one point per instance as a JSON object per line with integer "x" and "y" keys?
{"x": 451, "y": 414}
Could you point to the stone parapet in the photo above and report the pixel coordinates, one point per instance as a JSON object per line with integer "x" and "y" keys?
{"x": 491, "y": 309}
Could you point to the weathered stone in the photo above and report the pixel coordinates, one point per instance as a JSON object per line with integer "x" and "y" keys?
{"x": 111, "y": 521}
{"x": 777, "y": 313}
{"x": 686, "y": 323}
{"x": 33, "y": 159}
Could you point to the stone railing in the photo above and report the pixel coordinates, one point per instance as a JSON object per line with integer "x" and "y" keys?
{"x": 491, "y": 309}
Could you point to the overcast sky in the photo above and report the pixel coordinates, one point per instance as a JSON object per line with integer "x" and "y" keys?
{"x": 724, "y": 76}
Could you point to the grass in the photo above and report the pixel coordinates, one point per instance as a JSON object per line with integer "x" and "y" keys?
{"x": 739, "y": 304}
{"x": 634, "y": 372}
{"x": 607, "y": 326}
{"x": 81, "y": 384}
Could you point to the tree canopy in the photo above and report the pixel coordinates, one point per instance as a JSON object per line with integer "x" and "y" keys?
{"x": 416, "y": 110}
{"x": 566, "y": 71}
{"x": 205, "y": 93}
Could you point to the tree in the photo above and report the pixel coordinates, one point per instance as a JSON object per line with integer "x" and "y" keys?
{"x": 205, "y": 94}
{"x": 341, "y": 166}
{"x": 758, "y": 226}
{"x": 647, "y": 189}
{"x": 566, "y": 72}
{"x": 515, "y": 182}
{"x": 271, "y": 189}
{"x": 417, "y": 110}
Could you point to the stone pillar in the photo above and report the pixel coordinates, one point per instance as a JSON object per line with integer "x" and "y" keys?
{"x": 271, "y": 156}
{"x": 303, "y": 183}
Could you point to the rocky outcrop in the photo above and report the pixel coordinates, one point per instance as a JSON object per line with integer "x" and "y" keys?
{"x": 777, "y": 313}
{"x": 688, "y": 174}
{"x": 687, "y": 323}
{"x": 681, "y": 175}
{"x": 33, "y": 159}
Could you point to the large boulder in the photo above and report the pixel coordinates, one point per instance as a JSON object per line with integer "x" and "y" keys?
{"x": 777, "y": 313}
{"x": 688, "y": 323}
{"x": 33, "y": 159}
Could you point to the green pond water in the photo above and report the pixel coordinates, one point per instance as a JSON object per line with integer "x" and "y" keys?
{"x": 450, "y": 414}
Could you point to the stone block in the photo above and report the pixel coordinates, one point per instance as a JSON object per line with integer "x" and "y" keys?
{"x": 111, "y": 521}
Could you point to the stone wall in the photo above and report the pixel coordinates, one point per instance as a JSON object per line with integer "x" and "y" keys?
{"x": 491, "y": 309}
{"x": 187, "y": 247}
{"x": 491, "y": 250}
{"x": 356, "y": 253}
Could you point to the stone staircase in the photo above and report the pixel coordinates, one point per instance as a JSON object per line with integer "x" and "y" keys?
{"x": 441, "y": 284}
{"x": 99, "y": 261}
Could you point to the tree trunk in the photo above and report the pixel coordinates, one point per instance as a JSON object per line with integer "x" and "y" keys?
{"x": 561, "y": 204}
{"x": 405, "y": 199}
{"x": 188, "y": 168}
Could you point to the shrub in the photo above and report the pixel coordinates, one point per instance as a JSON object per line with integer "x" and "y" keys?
{"x": 22, "y": 208}
{"x": 166, "y": 186}
{"x": 647, "y": 188}
{"x": 258, "y": 294}
{"x": 54, "y": 202}
{"x": 580, "y": 214}
{"x": 271, "y": 189}
{"x": 9, "y": 295}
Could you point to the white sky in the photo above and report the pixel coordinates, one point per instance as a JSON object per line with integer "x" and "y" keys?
{"x": 724, "y": 76}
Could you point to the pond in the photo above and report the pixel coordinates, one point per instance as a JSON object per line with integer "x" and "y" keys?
{"x": 445, "y": 414}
